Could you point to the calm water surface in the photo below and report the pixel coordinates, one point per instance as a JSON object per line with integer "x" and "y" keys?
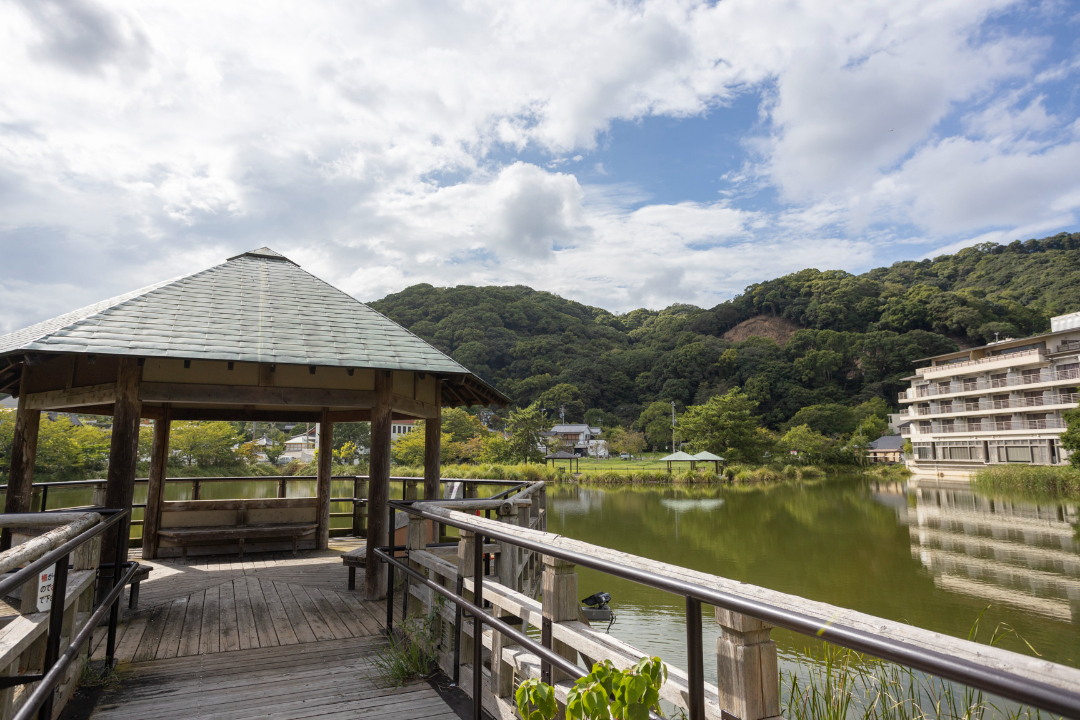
{"x": 931, "y": 556}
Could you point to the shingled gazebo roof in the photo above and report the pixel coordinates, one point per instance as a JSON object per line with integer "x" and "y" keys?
{"x": 256, "y": 307}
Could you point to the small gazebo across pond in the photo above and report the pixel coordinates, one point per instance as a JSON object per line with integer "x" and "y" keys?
{"x": 569, "y": 457}
{"x": 706, "y": 456}
{"x": 678, "y": 457}
{"x": 254, "y": 338}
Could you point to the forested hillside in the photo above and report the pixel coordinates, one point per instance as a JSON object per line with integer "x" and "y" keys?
{"x": 835, "y": 337}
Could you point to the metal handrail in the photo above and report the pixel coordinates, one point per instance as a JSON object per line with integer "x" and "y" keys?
{"x": 54, "y": 663}
{"x": 982, "y": 677}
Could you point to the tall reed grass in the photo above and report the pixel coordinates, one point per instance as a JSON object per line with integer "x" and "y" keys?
{"x": 1030, "y": 480}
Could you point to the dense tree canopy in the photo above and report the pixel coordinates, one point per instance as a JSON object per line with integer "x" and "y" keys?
{"x": 856, "y": 336}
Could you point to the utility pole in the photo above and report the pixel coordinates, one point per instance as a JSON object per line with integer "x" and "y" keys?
{"x": 562, "y": 414}
{"x": 673, "y": 426}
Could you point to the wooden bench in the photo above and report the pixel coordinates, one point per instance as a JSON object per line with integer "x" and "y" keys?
{"x": 355, "y": 558}
{"x": 141, "y": 574}
{"x": 202, "y": 522}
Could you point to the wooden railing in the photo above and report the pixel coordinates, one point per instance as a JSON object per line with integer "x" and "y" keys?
{"x": 43, "y": 648}
{"x": 747, "y": 684}
{"x": 357, "y": 512}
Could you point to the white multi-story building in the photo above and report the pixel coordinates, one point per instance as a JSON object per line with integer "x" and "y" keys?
{"x": 1000, "y": 403}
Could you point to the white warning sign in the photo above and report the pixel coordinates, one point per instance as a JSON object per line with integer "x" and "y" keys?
{"x": 45, "y": 588}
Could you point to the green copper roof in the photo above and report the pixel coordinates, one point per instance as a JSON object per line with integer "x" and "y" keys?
{"x": 256, "y": 307}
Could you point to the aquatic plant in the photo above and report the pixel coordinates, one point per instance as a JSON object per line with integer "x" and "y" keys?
{"x": 1030, "y": 480}
{"x": 841, "y": 684}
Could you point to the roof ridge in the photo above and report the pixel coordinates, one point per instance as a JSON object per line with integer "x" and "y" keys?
{"x": 384, "y": 317}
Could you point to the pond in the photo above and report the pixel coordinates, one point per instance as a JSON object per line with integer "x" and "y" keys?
{"x": 932, "y": 556}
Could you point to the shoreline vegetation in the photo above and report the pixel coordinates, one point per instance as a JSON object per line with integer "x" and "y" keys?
{"x": 532, "y": 472}
{"x": 1030, "y": 481}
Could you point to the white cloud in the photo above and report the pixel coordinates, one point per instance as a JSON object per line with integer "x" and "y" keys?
{"x": 370, "y": 141}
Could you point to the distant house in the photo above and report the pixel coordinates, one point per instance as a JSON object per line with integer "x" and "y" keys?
{"x": 887, "y": 449}
{"x": 401, "y": 427}
{"x": 581, "y": 439}
{"x": 301, "y": 447}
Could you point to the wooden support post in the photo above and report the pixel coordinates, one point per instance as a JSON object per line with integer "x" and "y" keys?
{"x": 466, "y": 564}
{"x": 416, "y": 539}
{"x": 410, "y": 491}
{"x": 560, "y": 604}
{"x": 502, "y": 672}
{"x": 433, "y": 453}
{"x": 322, "y": 481}
{"x": 155, "y": 486}
{"x": 747, "y": 674}
{"x": 23, "y": 454}
{"x": 378, "y": 484}
{"x": 507, "y": 563}
{"x": 123, "y": 454}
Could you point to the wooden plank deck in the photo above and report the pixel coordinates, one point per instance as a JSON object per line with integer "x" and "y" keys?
{"x": 213, "y": 604}
{"x": 328, "y": 680}
{"x": 272, "y": 636}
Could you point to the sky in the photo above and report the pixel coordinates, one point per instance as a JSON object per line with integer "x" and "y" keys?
{"x": 621, "y": 154}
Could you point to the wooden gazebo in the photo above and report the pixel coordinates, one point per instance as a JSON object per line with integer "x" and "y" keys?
{"x": 570, "y": 458}
{"x": 254, "y": 338}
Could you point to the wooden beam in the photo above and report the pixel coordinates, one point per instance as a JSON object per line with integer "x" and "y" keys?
{"x": 72, "y": 398}
{"x": 433, "y": 448}
{"x": 254, "y": 395}
{"x": 413, "y": 408}
{"x": 155, "y": 486}
{"x": 322, "y": 481}
{"x": 242, "y": 415}
{"x": 123, "y": 453}
{"x": 23, "y": 453}
{"x": 378, "y": 484}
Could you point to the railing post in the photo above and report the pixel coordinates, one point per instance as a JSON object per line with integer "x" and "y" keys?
{"x": 415, "y": 539}
{"x": 502, "y": 672}
{"x": 506, "y": 566}
{"x": 465, "y": 558}
{"x": 747, "y": 674}
{"x": 560, "y": 604}
{"x": 281, "y": 488}
{"x": 56, "y": 628}
{"x": 410, "y": 489}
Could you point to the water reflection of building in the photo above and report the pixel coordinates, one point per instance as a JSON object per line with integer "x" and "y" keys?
{"x": 1025, "y": 555}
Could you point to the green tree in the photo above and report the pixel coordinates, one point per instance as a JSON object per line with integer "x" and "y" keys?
{"x": 1070, "y": 439}
{"x": 725, "y": 425}
{"x": 203, "y": 443}
{"x": 655, "y": 422}
{"x": 809, "y": 444}
{"x": 828, "y": 419}
{"x": 497, "y": 450}
{"x": 357, "y": 435}
{"x": 526, "y": 428}
{"x": 563, "y": 396}
{"x": 408, "y": 449}
{"x": 461, "y": 426}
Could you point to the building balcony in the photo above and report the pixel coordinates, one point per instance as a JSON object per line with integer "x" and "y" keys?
{"x": 986, "y": 427}
{"x": 1061, "y": 401}
{"x": 998, "y": 362}
{"x": 982, "y": 384}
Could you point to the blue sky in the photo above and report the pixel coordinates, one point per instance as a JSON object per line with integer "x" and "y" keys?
{"x": 620, "y": 154}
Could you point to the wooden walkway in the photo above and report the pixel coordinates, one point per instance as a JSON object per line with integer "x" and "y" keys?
{"x": 273, "y": 636}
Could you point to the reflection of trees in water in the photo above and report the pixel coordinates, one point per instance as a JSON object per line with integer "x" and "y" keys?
{"x": 1022, "y": 554}
{"x": 851, "y": 542}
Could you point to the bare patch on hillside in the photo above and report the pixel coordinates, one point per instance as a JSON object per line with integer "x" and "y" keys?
{"x": 766, "y": 326}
